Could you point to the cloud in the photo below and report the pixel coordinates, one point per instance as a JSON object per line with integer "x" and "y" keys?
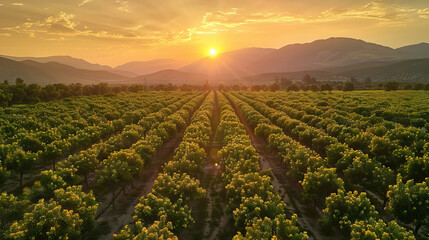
{"x": 424, "y": 13}
{"x": 84, "y": 2}
{"x": 17, "y": 4}
{"x": 63, "y": 26}
{"x": 217, "y": 21}
{"x": 373, "y": 10}
{"x": 123, "y": 5}
{"x": 62, "y": 23}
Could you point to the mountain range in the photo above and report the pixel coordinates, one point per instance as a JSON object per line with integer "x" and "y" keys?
{"x": 327, "y": 59}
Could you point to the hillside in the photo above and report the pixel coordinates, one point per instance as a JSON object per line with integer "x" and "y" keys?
{"x": 168, "y": 76}
{"x": 318, "y": 55}
{"x": 52, "y": 72}
{"x": 420, "y": 50}
{"x": 234, "y": 64}
{"x": 414, "y": 70}
{"x": 147, "y": 67}
{"x": 327, "y": 59}
{"x": 73, "y": 62}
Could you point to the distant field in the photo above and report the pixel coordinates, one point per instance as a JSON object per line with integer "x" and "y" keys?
{"x": 217, "y": 165}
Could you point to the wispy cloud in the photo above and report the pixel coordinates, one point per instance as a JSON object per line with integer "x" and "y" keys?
{"x": 424, "y": 13}
{"x": 17, "y": 4}
{"x": 84, "y": 2}
{"x": 217, "y": 21}
{"x": 123, "y": 5}
{"x": 373, "y": 10}
{"x": 64, "y": 25}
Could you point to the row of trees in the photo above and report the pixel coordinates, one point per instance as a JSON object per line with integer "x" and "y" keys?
{"x": 22, "y": 148}
{"x": 258, "y": 211}
{"x": 177, "y": 187}
{"x": 21, "y": 93}
{"x": 343, "y": 209}
{"x": 62, "y": 210}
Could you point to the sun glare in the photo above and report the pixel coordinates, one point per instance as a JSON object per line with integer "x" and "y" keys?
{"x": 213, "y": 52}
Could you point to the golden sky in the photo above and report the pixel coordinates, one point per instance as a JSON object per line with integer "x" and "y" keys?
{"x": 117, "y": 31}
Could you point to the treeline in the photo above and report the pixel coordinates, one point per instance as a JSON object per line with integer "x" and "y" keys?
{"x": 21, "y": 93}
{"x": 309, "y": 83}
{"x": 326, "y": 86}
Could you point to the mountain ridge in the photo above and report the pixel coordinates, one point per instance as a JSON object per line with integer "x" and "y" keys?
{"x": 337, "y": 55}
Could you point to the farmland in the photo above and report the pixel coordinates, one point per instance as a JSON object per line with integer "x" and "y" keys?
{"x": 217, "y": 165}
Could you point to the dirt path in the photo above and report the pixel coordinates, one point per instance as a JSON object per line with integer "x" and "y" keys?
{"x": 289, "y": 189}
{"x": 115, "y": 218}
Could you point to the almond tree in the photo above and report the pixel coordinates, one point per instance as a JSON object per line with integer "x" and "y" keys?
{"x": 277, "y": 228}
{"x": 151, "y": 208}
{"x": 321, "y": 183}
{"x": 409, "y": 201}
{"x": 373, "y": 230}
{"x": 20, "y": 161}
{"x": 47, "y": 221}
{"x": 344, "y": 208}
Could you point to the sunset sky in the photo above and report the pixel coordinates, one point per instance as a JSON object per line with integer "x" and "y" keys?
{"x": 117, "y": 31}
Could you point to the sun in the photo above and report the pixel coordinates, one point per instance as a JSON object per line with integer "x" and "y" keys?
{"x": 213, "y": 52}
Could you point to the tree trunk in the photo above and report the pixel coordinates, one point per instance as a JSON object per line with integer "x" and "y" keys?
{"x": 113, "y": 198}
{"x": 20, "y": 179}
{"x": 416, "y": 230}
{"x": 132, "y": 184}
{"x": 384, "y": 201}
{"x": 86, "y": 179}
{"x": 53, "y": 164}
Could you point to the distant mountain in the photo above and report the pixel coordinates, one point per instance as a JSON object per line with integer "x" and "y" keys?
{"x": 324, "y": 53}
{"x": 320, "y": 54}
{"x": 415, "y": 70}
{"x": 327, "y": 59}
{"x": 73, "y": 62}
{"x": 146, "y": 67}
{"x": 356, "y": 66}
{"x": 267, "y": 78}
{"x": 234, "y": 64}
{"x": 52, "y": 72}
{"x": 67, "y": 60}
{"x": 174, "y": 77}
{"x": 420, "y": 50}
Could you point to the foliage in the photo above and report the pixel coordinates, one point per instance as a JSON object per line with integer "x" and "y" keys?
{"x": 373, "y": 230}
{"x": 277, "y": 228}
{"x": 11, "y": 209}
{"x": 256, "y": 207}
{"x": 177, "y": 186}
{"x": 344, "y": 208}
{"x": 409, "y": 201}
{"x": 74, "y": 199}
{"x": 159, "y": 230}
{"x": 47, "y": 221}
{"x": 321, "y": 183}
{"x": 152, "y": 208}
